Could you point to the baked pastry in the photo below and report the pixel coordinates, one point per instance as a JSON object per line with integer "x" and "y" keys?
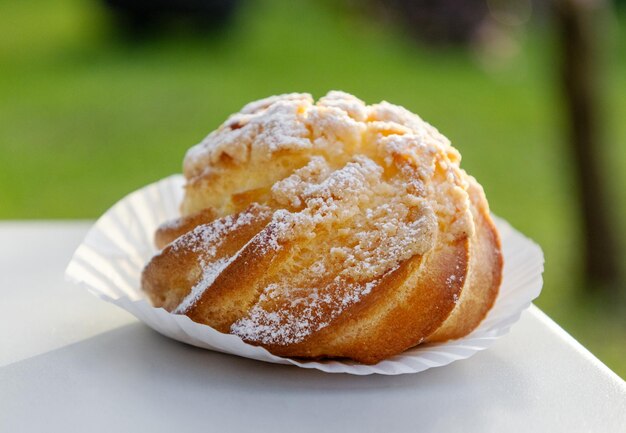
{"x": 328, "y": 229}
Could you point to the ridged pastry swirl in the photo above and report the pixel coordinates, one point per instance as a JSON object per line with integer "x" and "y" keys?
{"x": 328, "y": 229}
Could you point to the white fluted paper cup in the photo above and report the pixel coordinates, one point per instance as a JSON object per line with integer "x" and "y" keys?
{"x": 110, "y": 260}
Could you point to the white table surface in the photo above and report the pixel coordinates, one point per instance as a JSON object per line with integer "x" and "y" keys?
{"x": 72, "y": 363}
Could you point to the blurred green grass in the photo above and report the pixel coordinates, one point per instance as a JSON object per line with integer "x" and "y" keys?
{"x": 86, "y": 117}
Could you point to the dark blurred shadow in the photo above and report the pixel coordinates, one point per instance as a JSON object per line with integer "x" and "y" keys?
{"x": 146, "y": 19}
{"x": 442, "y": 22}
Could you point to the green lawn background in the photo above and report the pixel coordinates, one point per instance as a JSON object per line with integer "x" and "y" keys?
{"x": 86, "y": 118}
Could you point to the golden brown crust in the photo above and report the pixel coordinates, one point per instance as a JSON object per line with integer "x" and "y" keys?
{"x": 328, "y": 230}
{"x": 170, "y": 276}
{"x": 174, "y": 229}
{"x": 484, "y": 274}
{"x": 399, "y": 313}
{"x": 239, "y": 285}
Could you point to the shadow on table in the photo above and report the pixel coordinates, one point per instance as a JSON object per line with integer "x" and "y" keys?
{"x": 135, "y": 373}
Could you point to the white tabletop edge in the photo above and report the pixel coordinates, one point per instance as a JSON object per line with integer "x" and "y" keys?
{"x": 575, "y": 344}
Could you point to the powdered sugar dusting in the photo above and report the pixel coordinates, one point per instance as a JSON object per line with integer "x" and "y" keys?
{"x": 210, "y": 271}
{"x": 358, "y": 225}
{"x": 261, "y": 129}
{"x": 206, "y": 238}
{"x": 338, "y": 128}
{"x": 173, "y": 224}
{"x": 303, "y": 315}
{"x": 385, "y": 223}
{"x": 354, "y": 190}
